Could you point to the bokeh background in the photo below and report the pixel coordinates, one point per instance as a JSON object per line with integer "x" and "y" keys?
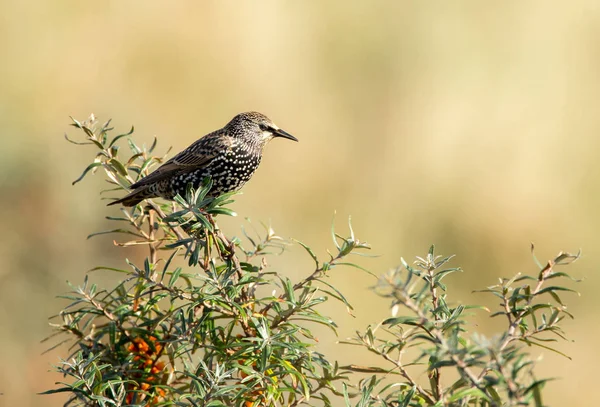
{"x": 472, "y": 125}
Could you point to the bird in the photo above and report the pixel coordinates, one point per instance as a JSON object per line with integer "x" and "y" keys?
{"x": 229, "y": 156}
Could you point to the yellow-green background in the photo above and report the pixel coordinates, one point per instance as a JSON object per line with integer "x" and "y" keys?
{"x": 473, "y": 125}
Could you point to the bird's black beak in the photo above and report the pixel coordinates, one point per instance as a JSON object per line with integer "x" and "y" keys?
{"x": 284, "y": 134}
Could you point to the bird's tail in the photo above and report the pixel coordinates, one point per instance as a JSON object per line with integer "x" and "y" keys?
{"x": 134, "y": 197}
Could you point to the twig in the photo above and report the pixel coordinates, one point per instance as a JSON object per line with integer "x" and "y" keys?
{"x": 435, "y": 376}
{"x": 151, "y": 236}
{"x": 162, "y": 215}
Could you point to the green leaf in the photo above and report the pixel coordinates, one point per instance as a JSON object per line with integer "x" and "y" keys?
{"x": 441, "y": 274}
{"x": 203, "y": 221}
{"x": 201, "y": 193}
{"x": 346, "y": 394}
{"x": 414, "y": 321}
{"x": 154, "y": 143}
{"x": 88, "y": 169}
{"x": 174, "y": 276}
{"x": 494, "y": 394}
{"x": 481, "y": 307}
{"x": 112, "y": 334}
{"x": 118, "y": 166}
{"x": 555, "y": 288}
{"x": 109, "y": 269}
{"x": 289, "y": 289}
{"x": 132, "y": 160}
{"x": 405, "y": 401}
{"x": 356, "y": 266}
{"x": 168, "y": 263}
{"x": 537, "y": 385}
{"x": 134, "y": 148}
{"x": 566, "y": 258}
{"x": 180, "y": 200}
{"x": 77, "y": 142}
{"x": 120, "y": 136}
{"x": 183, "y": 242}
{"x": 222, "y": 211}
{"x": 223, "y": 199}
{"x": 336, "y": 294}
{"x": 310, "y": 252}
{"x": 61, "y": 390}
{"x": 470, "y": 392}
{"x": 333, "y": 237}
{"x": 535, "y": 259}
{"x": 562, "y": 274}
{"x": 531, "y": 341}
{"x": 123, "y": 231}
{"x": 146, "y": 164}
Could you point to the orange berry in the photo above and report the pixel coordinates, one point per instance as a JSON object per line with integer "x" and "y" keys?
{"x": 148, "y": 362}
{"x": 160, "y": 365}
{"x": 136, "y": 358}
{"x": 152, "y": 338}
{"x": 145, "y": 386}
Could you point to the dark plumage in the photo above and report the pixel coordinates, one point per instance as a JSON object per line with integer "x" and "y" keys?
{"x": 229, "y": 156}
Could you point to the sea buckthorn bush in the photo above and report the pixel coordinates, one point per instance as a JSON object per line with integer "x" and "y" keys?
{"x": 204, "y": 321}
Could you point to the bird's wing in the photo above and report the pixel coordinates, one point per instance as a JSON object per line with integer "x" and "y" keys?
{"x": 197, "y": 155}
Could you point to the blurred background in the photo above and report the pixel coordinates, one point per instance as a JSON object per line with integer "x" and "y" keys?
{"x": 471, "y": 125}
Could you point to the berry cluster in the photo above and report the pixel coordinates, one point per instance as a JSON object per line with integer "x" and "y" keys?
{"x": 146, "y": 372}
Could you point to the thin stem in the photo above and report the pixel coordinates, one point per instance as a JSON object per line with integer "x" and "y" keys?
{"x": 515, "y": 320}
{"x": 301, "y": 284}
{"x": 426, "y": 395}
{"x": 435, "y": 375}
{"x": 438, "y": 335}
{"x": 151, "y": 236}
{"x": 162, "y": 215}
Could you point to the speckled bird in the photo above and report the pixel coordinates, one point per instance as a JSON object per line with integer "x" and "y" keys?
{"x": 229, "y": 156}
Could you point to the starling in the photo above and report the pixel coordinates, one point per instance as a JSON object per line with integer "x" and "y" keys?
{"x": 229, "y": 156}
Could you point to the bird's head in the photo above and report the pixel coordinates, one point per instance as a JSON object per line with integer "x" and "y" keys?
{"x": 256, "y": 127}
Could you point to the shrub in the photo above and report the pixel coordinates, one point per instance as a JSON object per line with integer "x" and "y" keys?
{"x": 224, "y": 329}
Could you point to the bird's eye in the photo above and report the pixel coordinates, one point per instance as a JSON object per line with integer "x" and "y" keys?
{"x": 264, "y": 127}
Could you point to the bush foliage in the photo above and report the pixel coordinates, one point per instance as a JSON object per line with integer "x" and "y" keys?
{"x": 224, "y": 329}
